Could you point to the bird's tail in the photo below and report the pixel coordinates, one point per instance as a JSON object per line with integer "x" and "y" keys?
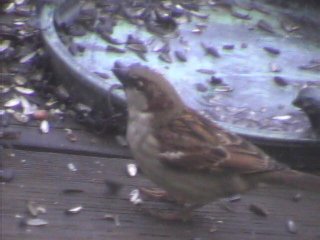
{"x": 291, "y": 178}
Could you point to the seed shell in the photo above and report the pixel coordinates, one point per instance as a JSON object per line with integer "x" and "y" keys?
{"x": 74, "y": 210}
{"x": 34, "y": 209}
{"x": 280, "y": 81}
{"x": 12, "y": 102}
{"x": 36, "y": 222}
{"x": 113, "y": 217}
{"x": 272, "y": 50}
{"x": 135, "y": 197}
{"x": 44, "y": 126}
{"x": 132, "y": 169}
{"x": 258, "y": 210}
{"x": 265, "y": 26}
{"x": 24, "y": 90}
{"x": 72, "y": 167}
{"x": 181, "y": 56}
{"x": 292, "y": 226}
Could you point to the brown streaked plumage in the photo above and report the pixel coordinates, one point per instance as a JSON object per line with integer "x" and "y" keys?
{"x": 192, "y": 158}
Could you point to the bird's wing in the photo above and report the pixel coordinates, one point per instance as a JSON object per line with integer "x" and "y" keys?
{"x": 191, "y": 142}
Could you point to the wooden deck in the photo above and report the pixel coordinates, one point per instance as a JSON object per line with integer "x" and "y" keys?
{"x": 40, "y": 162}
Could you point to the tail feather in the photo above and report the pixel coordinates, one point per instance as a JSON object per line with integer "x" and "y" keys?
{"x": 291, "y": 178}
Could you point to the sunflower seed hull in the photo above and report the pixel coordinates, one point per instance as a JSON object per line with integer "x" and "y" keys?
{"x": 132, "y": 169}
{"x": 292, "y": 227}
{"x": 258, "y": 210}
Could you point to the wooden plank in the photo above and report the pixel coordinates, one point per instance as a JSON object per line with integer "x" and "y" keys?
{"x": 106, "y": 145}
{"x": 42, "y": 176}
{"x": 57, "y": 141}
{"x": 297, "y": 157}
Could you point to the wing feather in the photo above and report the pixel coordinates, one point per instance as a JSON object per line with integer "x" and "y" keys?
{"x": 204, "y": 146}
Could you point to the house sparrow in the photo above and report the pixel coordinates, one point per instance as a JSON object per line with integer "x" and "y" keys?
{"x": 190, "y": 157}
{"x": 308, "y": 100}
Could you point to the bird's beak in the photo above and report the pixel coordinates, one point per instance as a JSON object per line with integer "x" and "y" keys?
{"x": 121, "y": 72}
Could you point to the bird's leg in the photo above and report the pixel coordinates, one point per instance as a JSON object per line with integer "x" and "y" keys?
{"x": 183, "y": 215}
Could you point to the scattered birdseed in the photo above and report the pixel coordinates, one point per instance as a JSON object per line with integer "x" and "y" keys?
{"x": 19, "y": 2}
{"x": 280, "y": 81}
{"x": 28, "y": 57}
{"x": 201, "y": 87}
{"x": 36, "y": 222}
{"x": 113, "y": 217}
{"x": 74, "y": 210}
{"x": 132, "y": 169}
{"x": 12, "y": 102}
{"x": 215, "y": 80}
{"x": 297, "y": 197}
{"x": 228, "y": 47}
{"x": 62, "y": 93}
{"x": 234, "y": 198}
{"x": 72, "y": 167}
{"x": 44, "y": 126}
{"x": 70, "y": 135}
{"x": 223, "y": 88}
{"x": 243, "y": 16}
{"x": 24, "y": 90}
{"x": 272, "y": 50}
{"x": 72, "y": 191}
{"x": 258, "y": 210}
{"x": 28, "y": 108}
{"x": 20, "y": 80}
{"x": 35, "y": 209}
{"x": 165, "y": 57}
{"x": 4, "y": 45}
{"x": 274, "y": 67}
{"x": 244, "y": 45}
{"x": 102, "y": 75}
{"x": 213, "y": 229}
{"x": 20, "y": 117}
{"x": 289, "y": 27}
{"x": 282, "y": 117}
{"x": 197, "y": 30}
{"x": 4, "y": 89}
{"x": 292, "y": 226}
{"x": 114, "y": 49}
{"x": 135, "y": 197}
{"x": 206, "y": 71}
{"x": 265, "y": 26}
{"x": 181, "y": 56}
{"x": 211, "y": 50}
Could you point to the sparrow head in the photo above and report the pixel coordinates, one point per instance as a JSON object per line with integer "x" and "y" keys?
{"x": 308, "y": 100}
{"x": 147, "y": 90}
